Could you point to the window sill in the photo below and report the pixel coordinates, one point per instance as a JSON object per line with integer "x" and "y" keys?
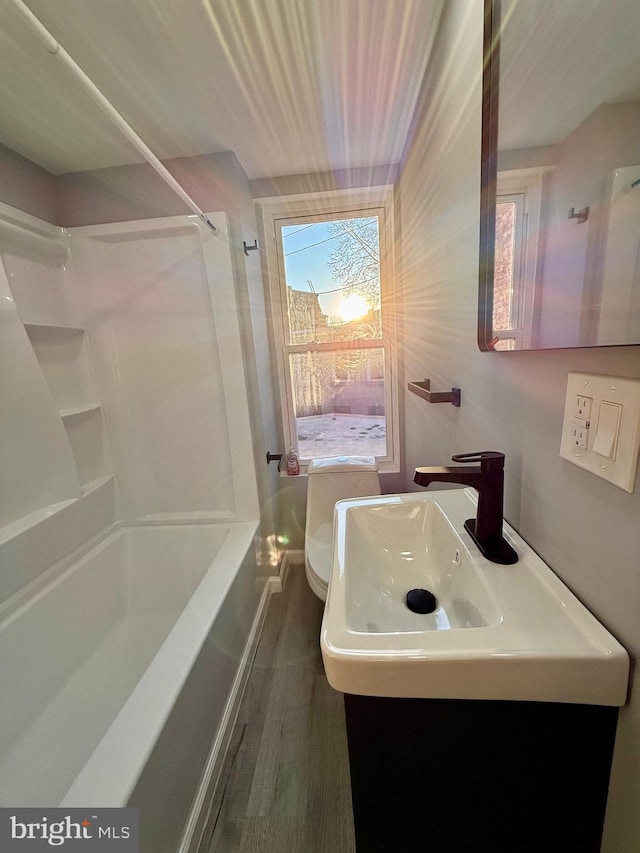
{"x": 383, "y": 468}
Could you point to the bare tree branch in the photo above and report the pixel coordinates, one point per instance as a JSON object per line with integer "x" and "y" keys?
{"x": 355, "y": 261}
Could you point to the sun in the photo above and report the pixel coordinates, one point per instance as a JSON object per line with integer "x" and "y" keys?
{"x": 353, "y": 307}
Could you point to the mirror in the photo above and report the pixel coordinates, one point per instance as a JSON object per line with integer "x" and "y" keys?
{"x": 560, "y": 200}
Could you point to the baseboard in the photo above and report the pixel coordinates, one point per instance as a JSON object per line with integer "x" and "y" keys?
{"x": 289, "y": 559}
{"x": 285, "y": 566}
{"x": 296, "y": 556}
{"x": 199, "y": 813}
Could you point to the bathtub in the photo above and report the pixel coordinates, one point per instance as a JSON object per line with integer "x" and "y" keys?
{"x": 115, "y": 676}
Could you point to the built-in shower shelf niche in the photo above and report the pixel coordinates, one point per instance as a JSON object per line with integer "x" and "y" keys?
{"x": 26, "y": 522}
{"x": 35, "y": 547}
{"x": 86, "y": 434}
{"x": 62, "y": 352}
{"x": 52, "y": 330}
{"x": 96, "y": 485}
{"x": 68, "y": 415}
{"x": 43, "y": 292}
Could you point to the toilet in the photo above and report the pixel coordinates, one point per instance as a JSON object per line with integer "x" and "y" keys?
{"x": 332, "y": 479}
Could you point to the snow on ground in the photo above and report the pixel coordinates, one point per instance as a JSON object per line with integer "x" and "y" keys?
{"x": 338, "y": 434}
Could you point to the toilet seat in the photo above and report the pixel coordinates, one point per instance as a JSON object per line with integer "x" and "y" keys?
{"x": 318, "y": 559}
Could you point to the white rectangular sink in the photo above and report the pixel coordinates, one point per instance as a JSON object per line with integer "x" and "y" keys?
{"x": 396, "y": 546}
{"x": 497, "y": 632}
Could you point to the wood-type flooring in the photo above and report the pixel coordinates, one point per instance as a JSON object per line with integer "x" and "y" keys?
{"x": 285, "y": 784}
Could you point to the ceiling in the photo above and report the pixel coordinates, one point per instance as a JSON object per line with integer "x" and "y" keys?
{"x": 291, "y": 86}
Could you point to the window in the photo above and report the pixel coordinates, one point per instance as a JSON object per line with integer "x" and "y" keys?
{"x": 329, "y": 266}
{"x": 375, "y": 369}
{"x": 515, "y": 260}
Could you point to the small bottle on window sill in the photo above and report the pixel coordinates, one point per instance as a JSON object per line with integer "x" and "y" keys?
{"x": 293, "y": 466}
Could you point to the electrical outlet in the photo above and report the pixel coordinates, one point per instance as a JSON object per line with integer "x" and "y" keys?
{"x": 583, "y": 407}
{"x": 580, "y": 433}
{"x": 601, "y": 428}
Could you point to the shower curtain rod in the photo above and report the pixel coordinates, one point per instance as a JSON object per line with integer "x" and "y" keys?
{"x": 56, "y": 49}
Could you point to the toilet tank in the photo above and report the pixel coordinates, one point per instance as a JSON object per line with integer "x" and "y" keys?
{"x": 334, "y": 479}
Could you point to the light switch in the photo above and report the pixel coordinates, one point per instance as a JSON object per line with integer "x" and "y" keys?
{"x": 601, "y": 427}
{"x": 606, "y": 438}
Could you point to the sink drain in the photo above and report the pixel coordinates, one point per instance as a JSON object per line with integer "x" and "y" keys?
{"x": 421, "y": 601}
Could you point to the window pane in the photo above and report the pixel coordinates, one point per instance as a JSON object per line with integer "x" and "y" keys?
{"x": 339, "y": 402}
{"x": 504, "y": 265}
{"x": 332, "y": 274}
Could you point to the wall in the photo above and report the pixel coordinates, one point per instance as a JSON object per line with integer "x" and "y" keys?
{"x": 341, "y": 179}
{"x": 27, "y": 186}
{"x": 586, "y": 529}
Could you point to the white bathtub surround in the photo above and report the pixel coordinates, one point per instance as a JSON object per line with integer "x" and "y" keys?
{"x": 36, "y": 465}
{"x": 162, "y": 319}
{"x": 143, "y": 358}
{"x": 128, "y": 554}
{"x": 56, "y": 474}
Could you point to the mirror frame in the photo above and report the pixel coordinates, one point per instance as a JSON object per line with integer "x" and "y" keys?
{"x": 488, "y": 171}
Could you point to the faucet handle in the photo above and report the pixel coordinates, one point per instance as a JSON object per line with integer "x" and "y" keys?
{"x": 490, "y": 460}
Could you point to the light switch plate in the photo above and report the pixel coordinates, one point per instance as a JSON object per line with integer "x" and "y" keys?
{"x": 617, "y": 390}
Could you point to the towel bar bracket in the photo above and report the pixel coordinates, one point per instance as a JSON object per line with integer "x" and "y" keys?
{"x": 423, "y": 389}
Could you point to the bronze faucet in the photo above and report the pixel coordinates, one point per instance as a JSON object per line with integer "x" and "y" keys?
{"x": 488, "y": 480}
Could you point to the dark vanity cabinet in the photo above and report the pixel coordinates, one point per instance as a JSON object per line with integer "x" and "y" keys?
{"x": 475, "y": 776}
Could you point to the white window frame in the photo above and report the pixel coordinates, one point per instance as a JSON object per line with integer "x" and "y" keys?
{"x": 372, "y": 201}
{"x": 524, "y": 187}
